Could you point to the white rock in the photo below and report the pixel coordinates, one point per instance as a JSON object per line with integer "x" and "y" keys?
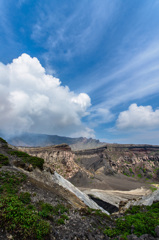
{"x": 145, "y": 200}
{"x": 82, "y": 196}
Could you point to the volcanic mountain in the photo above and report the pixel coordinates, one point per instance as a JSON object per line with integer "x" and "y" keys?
{"x": 43, "y": 140}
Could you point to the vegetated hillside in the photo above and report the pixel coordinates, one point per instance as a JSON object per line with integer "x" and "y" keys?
{"x": 42, "y": 140}
{"x": 33, "y": 207}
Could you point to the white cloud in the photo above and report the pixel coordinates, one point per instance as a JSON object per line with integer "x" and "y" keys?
{"x": 87, "y": 132}
{"x": 138, "y": 117}
{"x": 64, "y": 37}
{"x": 31, "y": 100}
{"x": 138, "y": 69}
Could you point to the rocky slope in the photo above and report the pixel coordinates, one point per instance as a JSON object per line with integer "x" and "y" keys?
{"x": 105, "y": 167}
{"x": 140, "y": 161}
{"x": 58, "y": 157}
{"x": 49, "y": 193}
{"x": 100, "y": 171}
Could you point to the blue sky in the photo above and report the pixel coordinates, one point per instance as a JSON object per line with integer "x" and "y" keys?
{"x": 104, "y": 59}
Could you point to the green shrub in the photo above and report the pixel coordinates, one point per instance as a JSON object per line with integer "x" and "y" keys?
{"x": 10, "y": 181}
{"x": 25, "y": 197}
{"x": 130, "y": 170}
{"x": 3, "y": 141}
{"x": 60, "y": 209}
{"x": 21, "y": 221}
{"x": 126, "y": 174}
{"x": 4, "y": 160}
{"x": 149, "y": 176}
{"x": 60, "y": 221}
{"x": 144, "y": 170}
{"x": 139, "y": 175}
{"x": 153, "y": 188}
{"x": 64, "y": 216}
{"x": 45, "y": 209}
{"x": 17, "y": 216}
{"x": 26, "y": 158}
{"x": 144, "y": 219}
{"x": 48, "y": 211}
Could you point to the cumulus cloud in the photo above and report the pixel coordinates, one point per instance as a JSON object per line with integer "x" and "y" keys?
{"x": 31, "y": 100}
{"x": 87, "y": 132}
{"x": 138, "y": 117}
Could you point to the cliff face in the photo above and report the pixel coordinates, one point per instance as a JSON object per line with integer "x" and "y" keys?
{"x": 135, "y": 160}
{"x": 132, "y": 160}
{"x": 139, "y": 161}
{"x": 95, "y": 160}
{"x": 59, "y": 158}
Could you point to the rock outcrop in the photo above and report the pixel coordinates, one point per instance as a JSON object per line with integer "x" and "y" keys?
{"x": 82, "y": 196}
{"x": 103, "y": 167}
{"x": 58, "y": 157}
{"x": 147, "y": 200}
{"x": 141, "y": 161}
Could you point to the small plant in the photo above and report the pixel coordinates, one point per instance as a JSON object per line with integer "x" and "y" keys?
{"x": 25, "y": 197}
{"x": 94, "y": 212}
{"x": 10, "y": 181}
{"x": 153, "y": 188}
{"x": 126, "y": 174}
{"x": 149, "y": 176}
{"x": 45, "y": 209}
{"x": 144, "y": 170}
{"x": 60, "y": 221}
{"x": 3, "y": 141}
{"x": 139, "y": 175}
{"x": 60, "y": 209}
{"x": 3, "y": 160}
{"x": 64, "y": 216}
{"x": 130, "y": 170}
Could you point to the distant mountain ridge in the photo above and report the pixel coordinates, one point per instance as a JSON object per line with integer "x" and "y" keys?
{"x": 42, "y": 140}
